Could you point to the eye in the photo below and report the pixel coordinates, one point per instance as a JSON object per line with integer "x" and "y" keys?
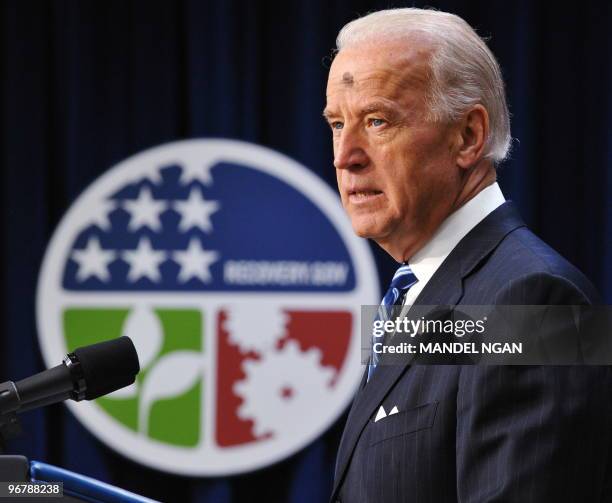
{"x": 336, "y": 125}
{"x": 376, "y": 122}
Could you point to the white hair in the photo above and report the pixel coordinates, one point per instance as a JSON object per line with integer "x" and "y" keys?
{"x": 464, "y": 71}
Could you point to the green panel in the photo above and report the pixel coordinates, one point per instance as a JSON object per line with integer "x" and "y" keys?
{"x": 183, "y": 329}
{"x": 83, "y": 327}
{"x": 176, "y": 420}
{"x": 123, "y": 410}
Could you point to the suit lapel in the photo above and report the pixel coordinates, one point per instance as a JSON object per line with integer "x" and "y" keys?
{"x": 370, "y": 397}
{"x": 444, "y": 288}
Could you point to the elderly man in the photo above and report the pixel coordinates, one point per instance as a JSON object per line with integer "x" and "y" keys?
{"x": 417, "y": 108}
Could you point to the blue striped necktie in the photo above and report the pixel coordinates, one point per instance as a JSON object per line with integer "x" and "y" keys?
{"x": 402, "y": 280}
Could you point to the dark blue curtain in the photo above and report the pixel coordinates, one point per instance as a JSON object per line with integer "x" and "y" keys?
{"x": 86, "y": 84}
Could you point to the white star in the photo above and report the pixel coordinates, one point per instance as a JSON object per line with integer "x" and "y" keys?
{"x": 196, "y": 211}
{"x": 144, "y": 261}
{"x": 93, "y": 260}
{"x": 196, "y": 171}
{"x": 195, "y": 262}
{"x": 100, "y": 217}
{"x": 145, "y": 211}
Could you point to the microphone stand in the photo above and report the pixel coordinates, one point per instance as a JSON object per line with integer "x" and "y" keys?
{"x": 10, "y": 427}
{"x": 12, "y": 468}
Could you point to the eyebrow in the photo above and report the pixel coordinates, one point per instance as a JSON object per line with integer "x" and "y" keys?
{"x": 373, "y": 107}
{"x": 327, "y": 114}
{"x": 380, "y": 106}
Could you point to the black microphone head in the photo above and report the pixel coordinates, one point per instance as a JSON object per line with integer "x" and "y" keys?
{"x": 108, "y": 366}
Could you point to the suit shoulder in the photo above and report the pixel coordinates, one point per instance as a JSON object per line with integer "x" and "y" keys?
{"x": 523, "y": 269}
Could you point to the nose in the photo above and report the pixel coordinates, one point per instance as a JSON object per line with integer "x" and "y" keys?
{"x": 350, "y": 150}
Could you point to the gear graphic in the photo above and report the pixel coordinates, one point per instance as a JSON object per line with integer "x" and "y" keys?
{"x": 255, "y": 327}
{"x": 281, "y": 389}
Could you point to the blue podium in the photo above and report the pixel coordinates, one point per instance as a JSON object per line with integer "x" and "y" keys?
{"x": 77, "y": 488}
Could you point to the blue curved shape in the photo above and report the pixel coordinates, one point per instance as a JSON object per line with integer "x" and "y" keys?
{"x": 263, "y": 222}
{"x": 82, "y": 487}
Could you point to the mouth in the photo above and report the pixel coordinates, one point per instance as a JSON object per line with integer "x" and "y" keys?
{"x": 363, "y": 196}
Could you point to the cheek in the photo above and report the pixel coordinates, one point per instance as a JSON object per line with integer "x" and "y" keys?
{"x": 407, "y": 188}
{"x": 401, "y": 179}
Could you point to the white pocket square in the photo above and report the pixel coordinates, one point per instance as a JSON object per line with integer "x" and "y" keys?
{"x": 382, "y": 414}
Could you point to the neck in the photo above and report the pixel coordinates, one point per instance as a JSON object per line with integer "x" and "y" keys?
{"x": 477, "y": 179}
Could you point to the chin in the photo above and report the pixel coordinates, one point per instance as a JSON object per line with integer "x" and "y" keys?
{"x": 362, "y": 233}
{"x": 368, "y": 230}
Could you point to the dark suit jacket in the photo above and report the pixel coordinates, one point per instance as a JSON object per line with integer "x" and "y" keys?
{"x": 478, "y": 434}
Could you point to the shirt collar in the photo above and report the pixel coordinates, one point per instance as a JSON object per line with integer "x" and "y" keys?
{"x": 453, "y": 229}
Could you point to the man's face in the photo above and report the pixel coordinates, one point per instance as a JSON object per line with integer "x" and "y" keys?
{"x": 395, "y": 170}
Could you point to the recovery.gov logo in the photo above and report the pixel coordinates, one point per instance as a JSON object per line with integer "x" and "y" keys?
{"x": 238, "y": 277}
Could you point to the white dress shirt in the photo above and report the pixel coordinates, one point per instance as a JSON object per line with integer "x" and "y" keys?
{"x": 428, "y": 259}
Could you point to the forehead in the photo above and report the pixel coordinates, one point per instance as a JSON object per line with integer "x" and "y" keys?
{"x": 387, "y": 69}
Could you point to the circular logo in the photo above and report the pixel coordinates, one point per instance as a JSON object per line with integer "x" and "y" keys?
{"x": 236, "y": 274}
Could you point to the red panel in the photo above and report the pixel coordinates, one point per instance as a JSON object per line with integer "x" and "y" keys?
{"x": 329, "y": 331}
{"x": 230, "y": 429}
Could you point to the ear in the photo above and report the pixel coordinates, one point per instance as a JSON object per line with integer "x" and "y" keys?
{"x": 473, "y": 132}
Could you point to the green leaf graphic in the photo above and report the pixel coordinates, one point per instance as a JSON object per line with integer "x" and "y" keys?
{"x": 172, "y": 359}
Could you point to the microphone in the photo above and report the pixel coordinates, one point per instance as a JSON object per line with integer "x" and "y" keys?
{"x": 85, "y": 374}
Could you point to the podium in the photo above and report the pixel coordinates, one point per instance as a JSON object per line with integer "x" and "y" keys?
{"x": 77, "y": 488}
